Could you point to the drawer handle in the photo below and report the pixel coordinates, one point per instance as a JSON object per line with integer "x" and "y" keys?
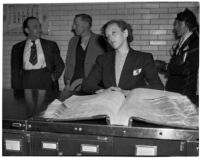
{"x": 88, "y": 148}
{"x": 16, "y": 124}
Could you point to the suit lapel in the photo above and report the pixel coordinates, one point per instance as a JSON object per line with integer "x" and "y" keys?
{"x": 130, "y": 63}
{"x": 73, "y": 52}
{"x": 185, "y": 44}
{"x": 90, "y": 54}
{"x": 21, "y": 53}
{"x": 89, "y": 47}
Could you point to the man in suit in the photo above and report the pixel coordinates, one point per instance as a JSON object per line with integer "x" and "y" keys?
{"x": 123, "y": 69}
{"x": 83, "y": 49}
{"x": 35, "y": 62}
{"x": 182, "y": 70}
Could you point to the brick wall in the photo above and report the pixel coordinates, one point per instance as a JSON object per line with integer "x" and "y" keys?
{"x": 151, "y": 22}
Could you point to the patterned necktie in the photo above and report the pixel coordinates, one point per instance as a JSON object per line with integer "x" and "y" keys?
{"x": 33, "y": 56}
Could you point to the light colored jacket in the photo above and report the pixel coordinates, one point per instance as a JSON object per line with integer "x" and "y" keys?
{"x": 96, "y": 47}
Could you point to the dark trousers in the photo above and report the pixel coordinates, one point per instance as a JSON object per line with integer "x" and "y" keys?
{"x": 38, "y": 79}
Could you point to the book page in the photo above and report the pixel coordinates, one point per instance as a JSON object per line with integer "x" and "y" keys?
{"x": 53, "y": 109}
{"x": 160, "y": 107}
{"x": 106, "y": 103}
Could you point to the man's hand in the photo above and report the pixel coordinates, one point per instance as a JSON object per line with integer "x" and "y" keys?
{"x": 161, "y": 66}
{"x": 177, "y": 60}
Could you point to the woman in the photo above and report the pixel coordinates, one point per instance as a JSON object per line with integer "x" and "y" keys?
{"x": 123, "y": 69}
{"x": 182, "y": 69}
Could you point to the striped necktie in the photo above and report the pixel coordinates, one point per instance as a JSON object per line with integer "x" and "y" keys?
{"x": 33, "y": 56}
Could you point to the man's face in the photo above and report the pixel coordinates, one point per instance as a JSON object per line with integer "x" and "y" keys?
{"x": 179, "y": 28}
{"x": 33, "y": 29}
{"x": 115, "y": 36}
{"x": 80, "y": 26}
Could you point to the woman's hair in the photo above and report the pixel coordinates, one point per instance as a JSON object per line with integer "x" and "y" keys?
{"x": 189, "y": 18}
{"x": 25, "y": 24}
{"x": 122, "y": 25}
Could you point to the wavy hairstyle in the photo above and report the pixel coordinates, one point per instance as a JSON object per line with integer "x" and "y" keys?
{"x": 189, "y": 18}
{"x": 122, "y": 25}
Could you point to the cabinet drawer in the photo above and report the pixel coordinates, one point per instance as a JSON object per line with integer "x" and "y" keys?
{"x": 87, "y": 145}
{"x": 192, "y": 148}
{"x": 148, "y": 147}
{"x": 64, "y": 144}
{"x": 15, "y": 144}
{"x": 44, "y": 145}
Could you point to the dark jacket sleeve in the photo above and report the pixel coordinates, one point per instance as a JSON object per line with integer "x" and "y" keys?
{"x": 16, "y": 70}
{"x": 58, "y": 62}
{"x": 91, "y": 83}
{"x": 178, "y": 67}
{"x": 151, "y": 74}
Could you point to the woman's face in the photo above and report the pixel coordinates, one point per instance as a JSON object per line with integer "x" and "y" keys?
{"x": 115, "y": 36}
{"x": 180, "y": 28}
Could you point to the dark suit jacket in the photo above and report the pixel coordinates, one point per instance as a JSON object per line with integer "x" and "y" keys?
{"x": 104, "y": 71}
{"x": 182, "y": 74}
{"x": 53, "y": 60}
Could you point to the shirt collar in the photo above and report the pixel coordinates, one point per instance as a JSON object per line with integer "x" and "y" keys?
{"x": 185, "y": 37}
{"x": 29, "y": 41}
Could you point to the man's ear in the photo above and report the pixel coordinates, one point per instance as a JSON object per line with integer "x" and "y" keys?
{"x": 126, "y": 33}
{"x": 26, "y": 30}
{"x": 186, "y": 24}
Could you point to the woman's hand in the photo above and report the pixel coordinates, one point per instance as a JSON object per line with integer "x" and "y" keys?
{"x": 108, "y": 89}
{"x": 100, "y": 91}
{"x": 125, "y": 92}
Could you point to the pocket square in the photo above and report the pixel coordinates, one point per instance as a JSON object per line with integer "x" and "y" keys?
{"x": 137, "y": 72}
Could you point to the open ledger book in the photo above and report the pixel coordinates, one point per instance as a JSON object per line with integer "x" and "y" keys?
{"x": 153, "y": 106}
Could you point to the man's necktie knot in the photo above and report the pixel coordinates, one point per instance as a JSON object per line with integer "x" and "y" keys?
{"x": 33, "y": 56}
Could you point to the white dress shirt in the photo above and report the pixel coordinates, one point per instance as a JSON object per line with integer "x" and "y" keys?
{"x": 119, "y": 64}
{"x": 184, "y": 38}
{"x": 40, "y": 56}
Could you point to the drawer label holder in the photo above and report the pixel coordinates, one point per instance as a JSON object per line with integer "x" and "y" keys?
{"x": 49, "y": 145}
{"x": 13, "y": 144}
{"x": 145, "y": 150}
{"x": 88, "y": 148}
